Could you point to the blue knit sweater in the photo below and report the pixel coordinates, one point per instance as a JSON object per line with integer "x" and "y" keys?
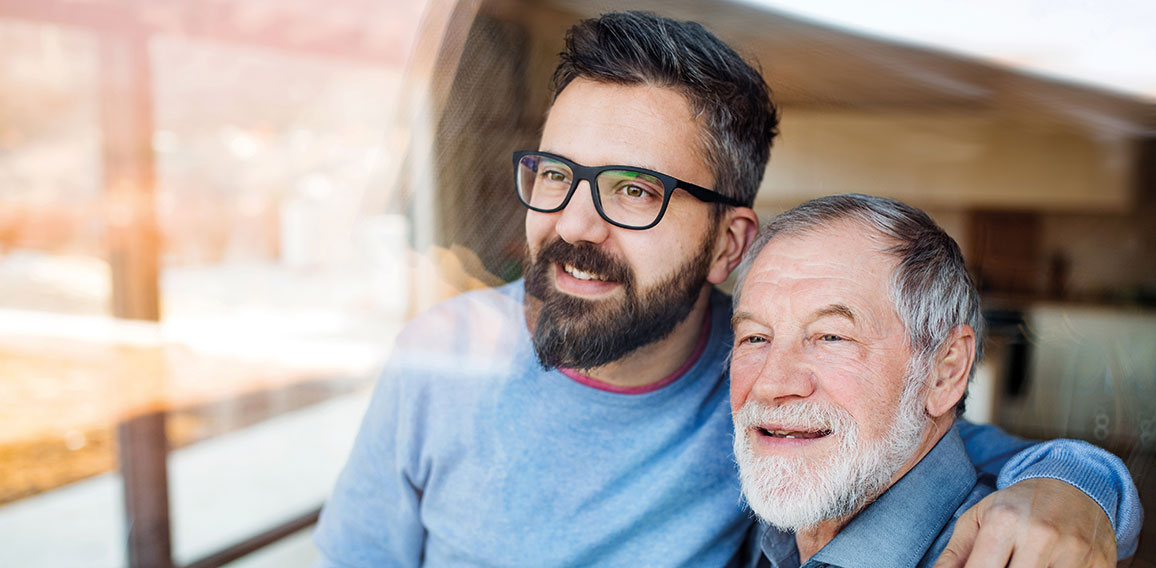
{"x": 471, "y": 454}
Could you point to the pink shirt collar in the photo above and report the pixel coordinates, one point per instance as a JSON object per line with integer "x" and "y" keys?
{"x": 703, "y": 336}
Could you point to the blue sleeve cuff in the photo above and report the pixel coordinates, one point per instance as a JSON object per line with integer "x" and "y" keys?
{"x": 1096, "y": 472}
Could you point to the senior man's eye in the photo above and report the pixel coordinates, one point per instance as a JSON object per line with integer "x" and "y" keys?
{"x": 830, "y": 337}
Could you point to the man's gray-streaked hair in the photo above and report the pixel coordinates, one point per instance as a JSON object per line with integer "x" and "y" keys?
{"x": 727, "y": 95}
{"x": 930, "y": 288}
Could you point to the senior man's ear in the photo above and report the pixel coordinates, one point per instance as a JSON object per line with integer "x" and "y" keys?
{"x": 951, "y": 370}
{"x": 738, "y": 230}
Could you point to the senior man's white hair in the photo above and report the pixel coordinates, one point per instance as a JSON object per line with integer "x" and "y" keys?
{"x": 931, "y": 288}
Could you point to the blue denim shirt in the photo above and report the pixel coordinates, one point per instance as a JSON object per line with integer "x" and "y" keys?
{"x": 908, "y": 525}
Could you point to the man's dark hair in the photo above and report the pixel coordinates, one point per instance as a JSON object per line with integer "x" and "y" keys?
{"x": 728, "y": 96}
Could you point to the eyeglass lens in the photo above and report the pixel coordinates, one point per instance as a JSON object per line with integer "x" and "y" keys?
{"x": 628, "y": 197}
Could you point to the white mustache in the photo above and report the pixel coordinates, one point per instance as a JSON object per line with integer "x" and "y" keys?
{"x": 801, "y": 415}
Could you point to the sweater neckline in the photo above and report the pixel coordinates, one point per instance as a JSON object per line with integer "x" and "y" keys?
{"x": 699, "y": 348}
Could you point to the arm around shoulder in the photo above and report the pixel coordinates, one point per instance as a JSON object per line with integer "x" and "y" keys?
{"x": 1094, "y": 471}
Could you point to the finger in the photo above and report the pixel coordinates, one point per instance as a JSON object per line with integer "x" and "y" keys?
{"x": 1038, "y": 546}
{"x": 951, "y": 558}
{"x": 993, "y": 547}
{"x": 961, "y": 542}
{"x": 1033, "y": 554}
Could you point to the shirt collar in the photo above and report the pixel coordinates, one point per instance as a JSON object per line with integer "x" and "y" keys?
{"x": 934, "y": 488}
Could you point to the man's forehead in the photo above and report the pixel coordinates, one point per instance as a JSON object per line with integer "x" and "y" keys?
{"x": 839, "y": 245}
{"x": 836, "y": 265}
{"x": 597, "y": 123}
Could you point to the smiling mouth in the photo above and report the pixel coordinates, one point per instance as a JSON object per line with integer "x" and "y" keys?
{"x": 793, "y": 434}
{"x": 582, "y": 274}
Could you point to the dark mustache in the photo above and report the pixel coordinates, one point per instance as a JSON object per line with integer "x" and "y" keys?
{"x": 585, "y": 257}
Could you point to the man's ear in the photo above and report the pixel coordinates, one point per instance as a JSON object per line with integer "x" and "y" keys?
{"x": 738, "y": 230}
{"x": 950, "y": 371}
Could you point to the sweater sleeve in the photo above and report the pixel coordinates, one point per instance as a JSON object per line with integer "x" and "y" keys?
{"x": 1096, "y": 472}
{"x": 372, "y": 517}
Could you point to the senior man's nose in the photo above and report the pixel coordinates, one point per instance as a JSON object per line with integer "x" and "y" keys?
{"x": 579, "y": 221}
{"x": 783, "y": 376}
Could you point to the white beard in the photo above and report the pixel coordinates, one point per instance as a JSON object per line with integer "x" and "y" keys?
{"x": 795, "y": 494}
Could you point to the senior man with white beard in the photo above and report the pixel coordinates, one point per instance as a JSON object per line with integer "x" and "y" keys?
{"x": 857, "y": 329}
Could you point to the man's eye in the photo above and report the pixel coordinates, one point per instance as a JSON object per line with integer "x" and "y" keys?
{"x": 755, "y": 339}
{"x": 556, "y": 176}
{"x": 635, "y": 191}
{"x": 830, "y": 337}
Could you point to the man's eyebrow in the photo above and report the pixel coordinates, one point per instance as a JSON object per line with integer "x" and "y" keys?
{"x": 741, "y": 316}
{"x": 841, "y": 310}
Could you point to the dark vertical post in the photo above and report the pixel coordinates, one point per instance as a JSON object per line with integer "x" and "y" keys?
{"x": 126, "y": 125}
{"x": 142, "y": 455}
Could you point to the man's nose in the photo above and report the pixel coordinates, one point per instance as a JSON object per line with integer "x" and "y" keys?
{"x": 579, "y": 221}
{"x": 784, "y": 375}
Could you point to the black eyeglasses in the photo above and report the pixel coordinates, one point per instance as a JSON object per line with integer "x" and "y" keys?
{"x": 625, "y": 196}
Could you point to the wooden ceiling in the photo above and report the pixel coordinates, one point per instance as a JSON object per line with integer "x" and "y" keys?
{"x": 813, "y": 65}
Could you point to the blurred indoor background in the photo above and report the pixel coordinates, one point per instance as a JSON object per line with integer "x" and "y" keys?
{"x": 215, "y": 215}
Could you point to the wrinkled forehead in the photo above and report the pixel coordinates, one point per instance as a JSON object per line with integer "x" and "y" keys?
{"x": 826, "y": 262}
{"x": 839, "y": 244}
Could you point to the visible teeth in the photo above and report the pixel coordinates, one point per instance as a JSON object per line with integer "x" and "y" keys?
{"x": 793, "y": 434}
{"x": 582, "y": 275}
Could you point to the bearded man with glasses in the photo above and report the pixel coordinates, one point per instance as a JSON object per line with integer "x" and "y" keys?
{"x": 580, "y": 417}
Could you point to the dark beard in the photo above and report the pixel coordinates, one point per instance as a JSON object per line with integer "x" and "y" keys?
{"x": 576, "y": 333}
